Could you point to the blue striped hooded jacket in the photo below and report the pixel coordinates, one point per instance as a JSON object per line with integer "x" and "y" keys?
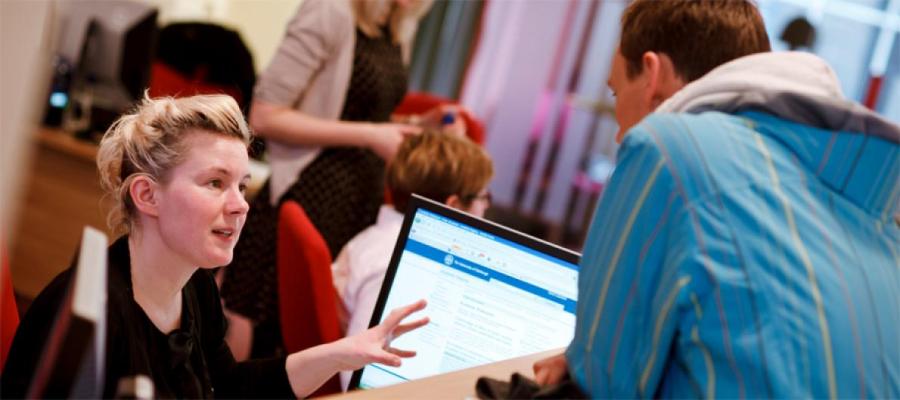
{"x": 746, "y": 245}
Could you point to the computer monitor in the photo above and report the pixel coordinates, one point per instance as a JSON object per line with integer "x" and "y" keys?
{"x": 72, "y": 362}
{"x": 493, "y": 294}
{"x": 106, "y": 47}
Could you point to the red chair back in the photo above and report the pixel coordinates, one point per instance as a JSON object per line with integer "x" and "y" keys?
{"x": 307, "y": 298}
{"x": 166, "y": 81}
{"x": 9, "y": 315}
{"x": 420, "y": 102}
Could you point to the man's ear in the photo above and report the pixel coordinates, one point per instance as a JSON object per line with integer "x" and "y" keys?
{"x": 144, "y": 192}
{"x": 663, "y": 80}
{"x": 651, "y": 70}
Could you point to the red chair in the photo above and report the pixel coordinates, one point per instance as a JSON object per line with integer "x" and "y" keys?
{"x": 9, "y": 315}
{"x": 166, "y": 81}
{"x": 202, "y": 58}
{"x": 307, "y": 298}
{"x": 420, "y": 102}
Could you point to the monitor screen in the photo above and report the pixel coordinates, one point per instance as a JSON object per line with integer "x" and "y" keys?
{"x": 493, "y": 294}
{"x": 104, "y": 52}
{"x": 72, "y": 362}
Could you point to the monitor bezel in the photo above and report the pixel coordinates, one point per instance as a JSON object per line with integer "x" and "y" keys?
{"x": 418, "y": 202}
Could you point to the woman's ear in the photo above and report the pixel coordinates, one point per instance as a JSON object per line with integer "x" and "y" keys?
{"x": 144, "y": 194}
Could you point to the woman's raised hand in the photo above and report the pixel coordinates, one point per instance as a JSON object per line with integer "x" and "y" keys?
{"x": 374, "y": 345}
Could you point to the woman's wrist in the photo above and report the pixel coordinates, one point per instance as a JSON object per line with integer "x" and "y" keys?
{"x": 341, "y": 352}
{"x": 365, "y": 134}
{"x": 310, "y": 368}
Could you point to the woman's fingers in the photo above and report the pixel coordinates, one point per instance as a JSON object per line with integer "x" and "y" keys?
{"x": 401, "y": 329}
{"x": 386, "y": 358}
{"x": 385, "y": 138}
{"x": 390, "y": 329}
{"x": 398, "y": 314}
{"x": 392, "y": 356}
{"x": 409, "y": 130}
{"x": 401, "y": 352}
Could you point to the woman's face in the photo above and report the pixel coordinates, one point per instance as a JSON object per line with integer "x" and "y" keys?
{"x": 201, "y": 205}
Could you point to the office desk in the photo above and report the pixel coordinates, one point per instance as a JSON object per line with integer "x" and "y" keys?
{"x": 454, "y": 385}
{"x": 60, "y": 195}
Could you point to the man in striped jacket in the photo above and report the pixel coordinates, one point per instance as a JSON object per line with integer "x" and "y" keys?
{"x": 746, "y": 244}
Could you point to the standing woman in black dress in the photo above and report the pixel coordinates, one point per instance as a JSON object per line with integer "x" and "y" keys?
{"x": 177, "y": 170}
{"x": 323, "y": 105}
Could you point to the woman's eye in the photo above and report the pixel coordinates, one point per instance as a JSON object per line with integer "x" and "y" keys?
{"x": 243, "y": 187}
{"x": 215, "y": 183}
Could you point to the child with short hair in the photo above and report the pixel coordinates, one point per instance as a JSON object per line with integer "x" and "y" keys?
{"x": 443, "y": 167}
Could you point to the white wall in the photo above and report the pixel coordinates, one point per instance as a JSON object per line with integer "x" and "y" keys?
{"x": 24, "y": 70}
{"x": 261, "y": 23}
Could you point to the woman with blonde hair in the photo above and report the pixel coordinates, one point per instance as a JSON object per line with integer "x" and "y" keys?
{"x": 323, "y": 105}
{"x": 176, "y": 170}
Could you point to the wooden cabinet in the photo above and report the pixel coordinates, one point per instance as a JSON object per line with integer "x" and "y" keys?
{"x": 60, "y": 195}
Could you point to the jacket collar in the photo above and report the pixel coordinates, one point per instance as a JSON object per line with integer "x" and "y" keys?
{"x": 795, "y": 86}
{"x": 796, "y": 99}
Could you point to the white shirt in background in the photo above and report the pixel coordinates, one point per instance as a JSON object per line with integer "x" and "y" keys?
{"x": 359, "y": 271}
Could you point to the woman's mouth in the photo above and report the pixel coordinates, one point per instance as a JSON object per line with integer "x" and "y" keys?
{"x": 223, "y": 233}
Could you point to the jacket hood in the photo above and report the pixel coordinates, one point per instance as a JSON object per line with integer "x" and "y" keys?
{"x": 796, "y": 98}
{"x": 795, "y": 86}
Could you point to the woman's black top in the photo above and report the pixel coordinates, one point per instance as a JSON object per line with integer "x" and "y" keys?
{"x": 192, "y": 361}
{"x": 341, "y": 192}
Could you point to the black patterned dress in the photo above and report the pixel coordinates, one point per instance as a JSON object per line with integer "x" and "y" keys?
{"x": 341, "y": 191}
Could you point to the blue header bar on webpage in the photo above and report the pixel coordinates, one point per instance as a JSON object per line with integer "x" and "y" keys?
{"x": 484, "y": 273}
{"x": 495, "y": 238}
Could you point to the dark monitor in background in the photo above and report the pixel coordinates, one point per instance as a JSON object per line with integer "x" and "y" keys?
{"x": 71, "y": 364}
{"x": 104, "y": 52}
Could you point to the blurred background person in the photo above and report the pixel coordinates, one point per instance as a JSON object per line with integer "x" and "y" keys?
{"x": 323, "y": 105}
{"x": 441, "y": 166}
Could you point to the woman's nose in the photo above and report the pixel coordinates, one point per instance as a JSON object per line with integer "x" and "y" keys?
{"x": 237, "y": 204}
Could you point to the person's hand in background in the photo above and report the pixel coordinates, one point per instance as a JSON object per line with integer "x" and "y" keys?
{"x": 385, "y": 138}
{"x": 447, "y": 118}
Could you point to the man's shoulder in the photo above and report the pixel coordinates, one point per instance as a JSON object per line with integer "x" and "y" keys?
{"x": 679, "y": 135}
{"x": 697, "y": 147}
{"x": 680, "y": 127}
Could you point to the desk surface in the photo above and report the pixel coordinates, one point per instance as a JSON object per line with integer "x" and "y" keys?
{"x": 65, "y": 142}
{"x": 454, "y": 385}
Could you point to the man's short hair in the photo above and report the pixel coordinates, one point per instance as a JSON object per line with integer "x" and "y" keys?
{"x": 438, "y": 165}
{"x": 698, "y": 35}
